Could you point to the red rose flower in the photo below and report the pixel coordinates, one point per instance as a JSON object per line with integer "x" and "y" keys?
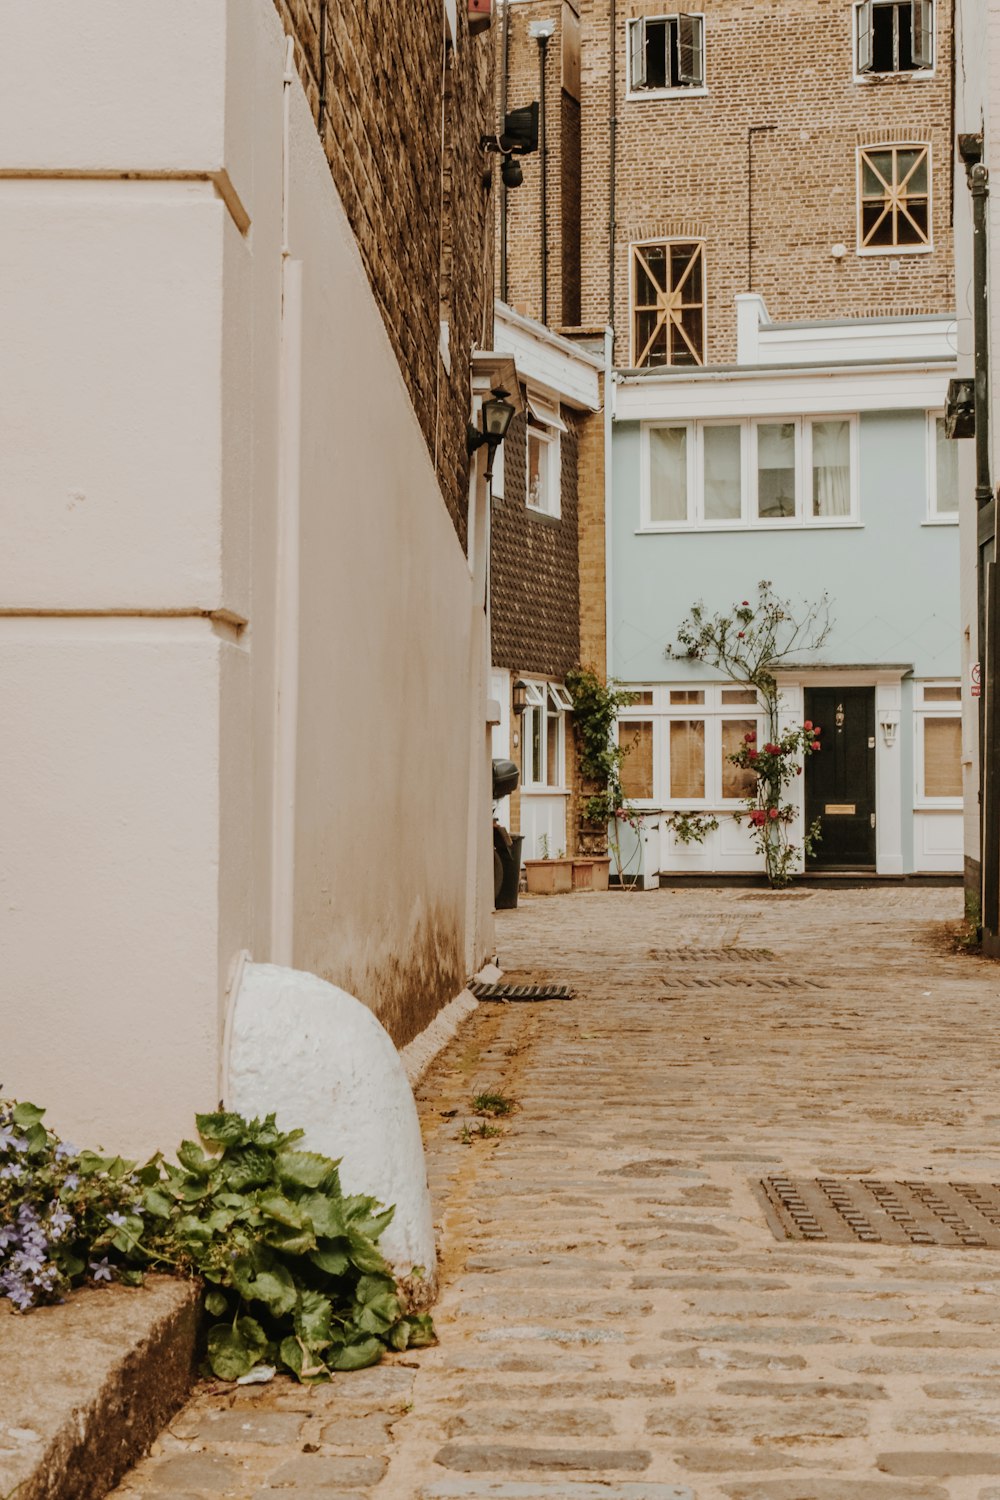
{"x": 773, "y": 813}
{"x": 748, "y": 739}
{"x": 746, "y": 603}
{"x": 817, "y": 728}
{"x": 751, "y": 755}
{"x": 817, "y": 747}
{"x": 807, "y": 724}
{"x": 740, "y": 634}
{"x": 798, "y": 770}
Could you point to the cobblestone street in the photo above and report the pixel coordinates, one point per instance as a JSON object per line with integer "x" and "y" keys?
{"x": 617, "y": 1320}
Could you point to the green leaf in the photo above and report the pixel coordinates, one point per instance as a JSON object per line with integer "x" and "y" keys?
{"x": 356, "y": 1356}
{"x": 249, "y": 1167}
{"x": 305, "y": 1169}
{"x": 27, "y": 1114}
{"x": 379, "y": 1314}
{"x": 233, "y": 1351}
{"x": 278, "y": 1207}
{"x": 216, "y": 1303}
{"x": 130, "y": 1275}
{"x": 289, "y": 1241}
{"x": 274, "y": 1287}
{"x": 191, "y": 1230}
{"x": 374, "y": 1225}
{"x": 314, "y": 1320}
{"x": 325, "y": 1214}
{"x": 193, "y": 1159}
{"x": 157, "y": 1203}
{"x": 421, "y": 1326}
{"x": 222, "y": 1129}
{"x": 364, "y": 1253}
{"x": 331, "y": 1257}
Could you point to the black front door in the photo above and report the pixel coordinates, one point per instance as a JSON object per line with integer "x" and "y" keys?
{"x": 840, "y": 779}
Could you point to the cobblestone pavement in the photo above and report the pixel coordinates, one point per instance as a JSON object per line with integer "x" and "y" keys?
{"x": 617, "y": 1321}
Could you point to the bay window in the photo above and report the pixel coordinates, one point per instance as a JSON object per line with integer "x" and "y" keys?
{"x": 679, "y": 746}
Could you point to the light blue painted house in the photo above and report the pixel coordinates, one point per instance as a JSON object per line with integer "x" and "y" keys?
{"x": 817, "y": 461}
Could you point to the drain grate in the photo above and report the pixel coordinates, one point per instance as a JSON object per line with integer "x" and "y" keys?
{"x": 521, "y": 991}
{"x": 778, "y": 896}
{"x": 741, "y": 981}
{"x": 731, "y": 955}
{"x": 954, "y": 1215}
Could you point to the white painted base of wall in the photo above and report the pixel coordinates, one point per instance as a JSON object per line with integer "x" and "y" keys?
{"x": 418, "y": 1055}
{"x": 321, "y": 1062}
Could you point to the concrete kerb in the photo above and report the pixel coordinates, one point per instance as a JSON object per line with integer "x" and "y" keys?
{"x": 85, "y": 1388}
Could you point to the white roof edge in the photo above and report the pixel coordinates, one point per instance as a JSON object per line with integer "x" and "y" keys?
{"x": 722, "y": 373}
{"x": 506, "y": 314}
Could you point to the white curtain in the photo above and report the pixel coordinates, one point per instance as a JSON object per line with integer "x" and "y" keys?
{"x": 668, "y": 498}
{"x": 831, "y": 466}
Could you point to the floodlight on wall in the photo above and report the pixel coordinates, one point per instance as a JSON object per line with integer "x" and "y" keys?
{"x": 498, "y": 414}
{"x": 519, "y": 137}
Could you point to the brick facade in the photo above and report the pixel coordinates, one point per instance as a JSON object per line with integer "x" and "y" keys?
{"x": 535, "y": 593}
{"x": 681, "y": 165}
{"x": 401, "y": 122}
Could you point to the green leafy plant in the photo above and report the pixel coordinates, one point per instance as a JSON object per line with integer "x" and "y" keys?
{"x": 293, "y": 1273}
{"x": 484, "y": 1131}
{"x": 692, "y": 827}
{"x": 596, "y": 705}
{"x": 747, "y": 644}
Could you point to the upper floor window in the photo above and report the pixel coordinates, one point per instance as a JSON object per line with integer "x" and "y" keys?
{"x": 894, "y": 36}
{"x": 668, "y": 303}
{"x": 726, "y": 474}
{"x": 894, "y": 198}
{"x": 543, "y": 479}
{"x": 665, "y": 53}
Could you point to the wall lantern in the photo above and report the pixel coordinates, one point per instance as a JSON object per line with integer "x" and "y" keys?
{"x": 960, "y": 409}
{"x": 497, "y": 417}
{"x": 889, "y": 725}
{"x": 519, "y": 698}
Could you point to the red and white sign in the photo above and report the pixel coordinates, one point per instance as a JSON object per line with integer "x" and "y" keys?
{"x": 976, "y": 680}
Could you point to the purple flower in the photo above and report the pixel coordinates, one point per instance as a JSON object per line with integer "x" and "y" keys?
{"x": 8, "y": 1235}
{"x": 71, "y": 1181}
{"x": 65, "y": 1149}
{"x": 100, "y": 1270}
{"x": 11, "y": 1172}
{"x": 116, "y": 1220}
{"x": 59, "y": 1220}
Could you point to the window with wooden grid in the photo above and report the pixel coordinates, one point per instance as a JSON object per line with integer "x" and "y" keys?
{"x": 895, "y": 198}
{"x": 636, "y": 737}
{"x": 668, "y": 304}
{"x": 939, "y": 743}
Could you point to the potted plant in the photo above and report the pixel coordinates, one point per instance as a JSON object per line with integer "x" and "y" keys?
{"x": 551, "y": 875}
{"x": 604, "y": 805}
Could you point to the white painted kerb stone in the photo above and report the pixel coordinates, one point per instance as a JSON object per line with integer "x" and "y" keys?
{"x": 319, "y": 1060}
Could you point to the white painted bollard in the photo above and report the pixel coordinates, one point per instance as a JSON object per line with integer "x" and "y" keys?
{"x": 318, "y": 1059}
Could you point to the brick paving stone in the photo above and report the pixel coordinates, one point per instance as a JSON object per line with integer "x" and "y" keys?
{"x": 606, "y": 1266}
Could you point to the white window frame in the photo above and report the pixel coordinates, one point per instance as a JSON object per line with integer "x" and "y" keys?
{"x": 895, "y": 250}
{"x": 547, "y": 700}
{"x": 713, "y": 712}
{"x": 803, "y": 519}
{"x": 864, "y": 75}
{"x": 546, "y": 428}
{"x": 935, "y": 517}
{"x": 636, "y": 25}
{"x": 922, "y": 711}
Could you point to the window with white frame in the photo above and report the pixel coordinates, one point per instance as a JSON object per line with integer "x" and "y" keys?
{"x": 668, "y": 303}
{"x": 543, "y": 737}
{"x": 666, "y": 54}
{"x": 679, "y": 744}
{"x": 894, "y": 36}
{"x": 543, "y": 473}
{"x": 942, "y": 471}
{"x": 796, "y": 472}
{"x": 939, "y": 744}
{"x": 894, "y": 198}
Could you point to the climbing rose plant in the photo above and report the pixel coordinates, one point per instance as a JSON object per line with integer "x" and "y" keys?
{"x": 291, "y": 1267}
{"x": 747, "y": 645}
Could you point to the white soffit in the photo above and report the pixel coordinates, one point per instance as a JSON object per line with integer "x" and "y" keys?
{"x": 546, "y": 360}
{"x": 788, "y": 393}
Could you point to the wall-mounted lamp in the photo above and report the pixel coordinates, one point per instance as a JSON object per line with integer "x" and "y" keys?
{"x": 889, "y": 725}
{"x": 960, "y": 408}
{"x": 519, "y": 137}
{"x": 497, "y": 417}
{"x": 519, "y": 698}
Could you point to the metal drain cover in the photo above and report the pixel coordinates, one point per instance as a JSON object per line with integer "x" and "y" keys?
{"x": 521, "y": 991}
{"x": 955, "y": 1215}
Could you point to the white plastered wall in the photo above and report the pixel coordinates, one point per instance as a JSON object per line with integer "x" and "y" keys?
{"x": 144, "y": 468}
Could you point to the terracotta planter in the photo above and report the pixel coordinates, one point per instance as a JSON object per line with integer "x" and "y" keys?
{"x": 549, "y": 877}
{"x": 601, "y": 869}
{"x": 583, "y": 874}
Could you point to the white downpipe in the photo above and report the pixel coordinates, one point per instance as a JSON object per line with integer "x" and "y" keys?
{"x": 286, "y": 708}
{"x": 609, "y": 400}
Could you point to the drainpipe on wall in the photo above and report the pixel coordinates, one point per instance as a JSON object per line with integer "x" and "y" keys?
{"x": 613, "y": 157}
{"x": 542, "y": 32}
{"x": 609, "y": 396}
{"x": 504, "y": 70}
{"x": 286, "y": 685}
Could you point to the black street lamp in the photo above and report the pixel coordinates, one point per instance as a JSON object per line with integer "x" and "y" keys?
{"x": 498, "y": 414}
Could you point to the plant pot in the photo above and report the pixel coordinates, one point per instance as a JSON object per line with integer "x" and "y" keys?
{"x": 549, "y": 877}
{"x": 601, "y": 867}
{"x": 583, "y": 874}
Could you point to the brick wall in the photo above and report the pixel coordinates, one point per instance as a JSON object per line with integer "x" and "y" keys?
{"x": 682, "y": 165}
{"x": 535, "y": 593}
{"x": 401, "y": 128}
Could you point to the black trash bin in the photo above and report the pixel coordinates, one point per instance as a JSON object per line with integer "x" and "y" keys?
{"x": 507, "y": 847}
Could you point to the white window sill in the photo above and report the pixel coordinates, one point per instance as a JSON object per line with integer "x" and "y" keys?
{"x": 895, "y": 250}
{"x": 532, "y": 789}
{"x": 686, "y": 529}
{"x": 683, "y": 91}
{"x": 940, "y": 521}
{"x": 896, "y": 74}
{"x": 538, "y": 510}
{"x": 945, "y": 805}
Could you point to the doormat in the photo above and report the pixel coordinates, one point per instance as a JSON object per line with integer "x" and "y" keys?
{"x": 953, "y": 1215}
{"x": 521, "y": 991}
